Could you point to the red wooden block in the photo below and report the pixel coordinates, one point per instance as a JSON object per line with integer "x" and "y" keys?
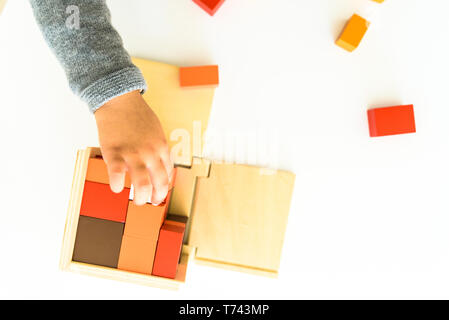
{"x": 391, "y": 120}
{"x": 168, "y": 250}
{"x": 210, "y": 6}
{"x": 199, "y": 76}
{"x": 100, "y": 202}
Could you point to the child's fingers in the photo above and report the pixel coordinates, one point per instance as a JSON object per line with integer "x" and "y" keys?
{"x": 159, "y": 179}
{"x": 168, "y": 163}
{"x": 116, "y": 172}
{"x": 140, "y": 179}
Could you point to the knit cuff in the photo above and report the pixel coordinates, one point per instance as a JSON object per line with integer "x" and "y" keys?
{"x": 113, "y": 85}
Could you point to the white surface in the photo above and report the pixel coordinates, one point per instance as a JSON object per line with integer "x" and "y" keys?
{"x": 369, "y": 218}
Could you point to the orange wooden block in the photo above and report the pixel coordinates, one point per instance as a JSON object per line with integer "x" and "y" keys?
{"x": 100, "y": 202}
{"x": 145, "y": 221}
{"x": 353, "y": 33}
{"x": 391, "y": 120}
{"x": 198, "y": 76}
{"x": 137, "y": 254}
{"x": 97, "y": 171}
{"x": 168, "y": 251}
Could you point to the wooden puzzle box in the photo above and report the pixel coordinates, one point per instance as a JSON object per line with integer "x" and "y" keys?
{"x": 219, "y": 214}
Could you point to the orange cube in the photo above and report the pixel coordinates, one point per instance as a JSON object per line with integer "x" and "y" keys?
{"x": 198, "y": 76}
{"x": 391, "y": 120}
{"x": 137, "y": 254}
{"x": 145, "y": 221}
{"x": 98, "y": 172}
{"x": 353, "y": 33}
{"x": 100, "y": 202}
{"x": 168, "y": 251}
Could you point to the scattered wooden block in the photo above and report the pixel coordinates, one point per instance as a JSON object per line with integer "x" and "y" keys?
{"x": 210, "y": 6}
{"x": 98, "y": 241}
{"x": 391, "y": 120}
{"x": 200, "y": 76}
{"x": 353, "y": 33}
{"x": 100, "y": 202}
{"x": 168, "y": 250}
{"x": 97, "y": 171}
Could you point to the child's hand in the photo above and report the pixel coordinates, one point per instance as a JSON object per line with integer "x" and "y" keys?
{"x": 132, "y": 139}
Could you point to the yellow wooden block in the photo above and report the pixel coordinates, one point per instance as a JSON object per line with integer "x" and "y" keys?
{"x": 184, "y": 114}
{"x": 353, "y": 33}
{"x": 379, "y": 1}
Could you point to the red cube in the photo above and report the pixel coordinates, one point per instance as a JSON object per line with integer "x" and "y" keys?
{"x": 391, "y": 120}
{"x": 168, "y": 250}
{"x": 100, "y": 202}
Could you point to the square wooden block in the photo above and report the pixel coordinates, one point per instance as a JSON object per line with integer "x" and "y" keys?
{"x": 98, "y": 241}
{"x": 168, "y": 250}
{"x": 137, "y": 254}
{"x": 100, "y": 202}
{"x": 97, "y": 171}
{"x": 145, "y": 221}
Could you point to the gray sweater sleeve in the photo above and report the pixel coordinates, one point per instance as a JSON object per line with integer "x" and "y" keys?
{"x": 91, "y": 52}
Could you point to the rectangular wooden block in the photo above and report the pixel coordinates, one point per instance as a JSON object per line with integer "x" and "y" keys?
{"x": 100, "y": 202}
{"x": 391, "y": 120}
{"x": 145, "y": 221}
{"x": 137, "y": 254}
{"x": 168, "y": 250}
{"x": 98, "y": 241}
{"x": 353, "y": 33}
{"x": 198, "y": 76}
{"x": 210, "y": 6}
{"x": 176, "y": 220}
{"x": 97, "y": 171}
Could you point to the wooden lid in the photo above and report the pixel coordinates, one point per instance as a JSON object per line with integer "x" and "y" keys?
{"x": 239, "y": 217}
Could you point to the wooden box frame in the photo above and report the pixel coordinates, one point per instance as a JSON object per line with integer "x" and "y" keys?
{"x": 189, "y": 250}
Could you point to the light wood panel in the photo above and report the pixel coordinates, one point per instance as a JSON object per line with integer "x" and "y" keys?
{"x": 2, "y": 5}
{"x": 239, "y": 216}
{"x": 183, "y": 113}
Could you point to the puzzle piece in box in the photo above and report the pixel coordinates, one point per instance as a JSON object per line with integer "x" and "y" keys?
{"x": 97, "y": 171}
{"x": 100, "y": 202}
{"x": 168, "y": 250}
{"x": 137, "y": 254}
{"x": 98, "y": 241}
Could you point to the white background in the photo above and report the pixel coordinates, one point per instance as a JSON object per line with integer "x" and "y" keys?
{"x": 369, "y": 217}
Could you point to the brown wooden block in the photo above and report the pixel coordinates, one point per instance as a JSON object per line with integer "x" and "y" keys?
{"x": 98, "y": 241}
{"x": 176, "y": 220}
